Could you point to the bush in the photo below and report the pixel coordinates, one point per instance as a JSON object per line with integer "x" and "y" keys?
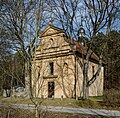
{"x": 112, "y": 96}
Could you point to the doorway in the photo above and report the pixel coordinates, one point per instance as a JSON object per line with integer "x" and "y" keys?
{"x": 51, "y": 86}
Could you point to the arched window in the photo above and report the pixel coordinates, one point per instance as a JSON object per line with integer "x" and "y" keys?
{"x": 51, "y": 42}
{"x": 65, "y": 68}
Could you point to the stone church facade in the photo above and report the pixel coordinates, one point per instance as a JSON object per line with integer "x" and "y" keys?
{"x": 55, "y": 69}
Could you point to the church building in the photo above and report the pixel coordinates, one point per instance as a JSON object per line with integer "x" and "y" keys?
{"x": 55, "y": 70}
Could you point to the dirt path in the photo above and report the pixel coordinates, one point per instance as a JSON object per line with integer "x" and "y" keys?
{"x": 100, "y": 112}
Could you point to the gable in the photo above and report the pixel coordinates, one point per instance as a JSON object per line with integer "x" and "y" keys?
{"x": 52, "y": 42}
{"x": 51, "y": 30}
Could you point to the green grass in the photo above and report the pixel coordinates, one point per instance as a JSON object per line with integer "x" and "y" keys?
{"x": 66, "y": 102}
{"x": 96, "y": 98}
{"x": 72, "y": 103}
{"x": 92, "y": 102}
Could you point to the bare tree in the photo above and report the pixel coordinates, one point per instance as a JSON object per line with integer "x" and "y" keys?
{"x": 22, "y": 22}
{"x": 94, "y": 16}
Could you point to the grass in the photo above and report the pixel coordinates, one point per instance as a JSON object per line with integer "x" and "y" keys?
{"x": 66, "y": 102}
{"x": 18, "y": 113}
{"x": 96, "y": 98}
{"x": 71, "y": 103}
{"x": 92, "y": 102}
{"x": 15, "y": 100}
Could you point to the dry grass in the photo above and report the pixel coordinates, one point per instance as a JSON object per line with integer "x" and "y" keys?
{"x": 16, "y": 100}
{"x": 18, "y": 113}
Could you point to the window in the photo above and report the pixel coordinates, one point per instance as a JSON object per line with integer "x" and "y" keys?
{"x": 51, "y": 86}
{"x": 51, "y": 68}
{"x": 51, "y": 42}
{"x": 93, "y": 70}
{"x": 65, "y": 71}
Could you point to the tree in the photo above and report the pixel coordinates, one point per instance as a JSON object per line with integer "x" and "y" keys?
{"x": 94, "y": 15}
{"x": 114, "y": 62}
{"x": 21, "y": 22}
{"x": 8, "y": 66}
{"x": 5, "y": 55}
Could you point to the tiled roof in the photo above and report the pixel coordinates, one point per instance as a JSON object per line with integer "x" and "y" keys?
{"x": 82, "y": 50}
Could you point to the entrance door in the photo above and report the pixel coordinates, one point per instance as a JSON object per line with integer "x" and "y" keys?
{"x": 50, "y": 89}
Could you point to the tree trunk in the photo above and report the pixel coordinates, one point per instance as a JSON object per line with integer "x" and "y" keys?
{"x": 28, "y": 81}
{"x": 37, "y": 110}
{"x": 85, "y": 87}
{"x": 85, "y": 77}
{"x": 75, "y": 80}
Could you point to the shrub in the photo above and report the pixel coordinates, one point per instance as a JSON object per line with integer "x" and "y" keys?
{"x": 112, "y": 96}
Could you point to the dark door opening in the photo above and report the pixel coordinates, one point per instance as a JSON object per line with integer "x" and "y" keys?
{"x": 51, "y": 89}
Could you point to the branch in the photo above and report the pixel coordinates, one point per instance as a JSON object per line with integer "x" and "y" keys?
{"x": 91, "y": 81}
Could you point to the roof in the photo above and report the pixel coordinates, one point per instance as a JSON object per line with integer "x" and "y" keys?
{"x": 80, "y": 48}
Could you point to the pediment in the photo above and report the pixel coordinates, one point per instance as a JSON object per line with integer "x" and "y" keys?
{"x": 50, "y": 30}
